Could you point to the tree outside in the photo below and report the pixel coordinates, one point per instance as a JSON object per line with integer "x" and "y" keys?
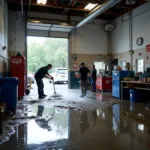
{"x": 43, "y": 51}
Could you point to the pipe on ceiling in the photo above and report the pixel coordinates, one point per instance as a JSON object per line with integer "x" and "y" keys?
{"x": 29, "y": 4}
{"x": 22, "y": 6}
{"x": 97, "y": 11}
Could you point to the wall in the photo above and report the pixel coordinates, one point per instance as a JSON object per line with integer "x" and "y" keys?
{"x": 79, "y": 42}
{"x": 88, "y": 43}
{"x": 92, "y": 33}
{"x": 120, "y": 36}
{"x": 16, "y": 32}
{"x": 3, "y": 38}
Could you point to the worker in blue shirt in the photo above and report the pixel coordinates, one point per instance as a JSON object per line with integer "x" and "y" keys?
{"x": 39, "y": 75}
{"x": 93, "y": 76}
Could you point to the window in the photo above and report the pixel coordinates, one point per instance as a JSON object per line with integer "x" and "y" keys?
{"x": 100, "y": 66}
{"x": 140, "y": 65}
{"x": 123, "y": 64}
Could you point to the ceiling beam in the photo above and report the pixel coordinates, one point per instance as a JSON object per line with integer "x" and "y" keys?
{"x": 60, "y": 6}
{"x": 55, "y": 1}
{"x": 89, "y": 1}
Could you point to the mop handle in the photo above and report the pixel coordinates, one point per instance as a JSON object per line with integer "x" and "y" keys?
{"x": 54, "y": 87}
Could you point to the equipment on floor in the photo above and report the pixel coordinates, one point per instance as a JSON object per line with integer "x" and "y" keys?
{"x": 9, "y": 93}
{"x": 18, "y": 69}
{"x": 55, "y": 94}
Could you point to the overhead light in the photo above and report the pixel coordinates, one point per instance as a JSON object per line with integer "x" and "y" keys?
{"x": 39, "y": 1}
{"x": 65, "y": 24}
{"x": 141, "y": 127}
{"x": 35, "y": 21}
{"x": 42, "y": 2}
{"x": 90, "y": 6}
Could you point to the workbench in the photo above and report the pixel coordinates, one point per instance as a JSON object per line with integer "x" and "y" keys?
{"x": 134, "y": 84}
{"x": 2, "y": 108}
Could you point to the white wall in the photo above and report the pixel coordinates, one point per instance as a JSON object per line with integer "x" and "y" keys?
{"x": 141, "y": 28}
{"x": 3, "y": 38}
{"x": 16, "y": 31}
{"x": 3, "y": 27}
{"x": 141, "y": 25}
{"x": 73, "y": 19}
{"x": 120, "y": 36}
{"x": 89, "y": 39}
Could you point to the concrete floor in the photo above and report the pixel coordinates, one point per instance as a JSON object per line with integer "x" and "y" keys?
{"x": 96, "y": 122}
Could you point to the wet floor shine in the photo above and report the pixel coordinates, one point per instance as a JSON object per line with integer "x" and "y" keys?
{"x": 95, "y": 122}
{"x": 121, "y": 126}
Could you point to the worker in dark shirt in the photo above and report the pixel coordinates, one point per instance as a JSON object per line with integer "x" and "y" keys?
{"x": 39, "y": 75}
{"x": 84, "y": 77}
{"x": 93, "y": 76}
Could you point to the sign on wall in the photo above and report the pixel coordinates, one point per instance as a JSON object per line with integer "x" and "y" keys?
{"x": 148, "y": 48}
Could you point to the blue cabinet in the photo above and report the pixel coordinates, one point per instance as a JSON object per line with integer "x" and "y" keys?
{"x": 115, "y": 88}
{"x": 116, "y": 82}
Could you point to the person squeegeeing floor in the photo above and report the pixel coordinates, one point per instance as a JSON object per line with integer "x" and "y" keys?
{"x": 84, "y": 77}
{"x": 39, "y": 75}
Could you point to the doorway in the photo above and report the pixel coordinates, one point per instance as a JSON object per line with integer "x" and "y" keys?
{"x": 100, "y": 66}
{"x": 42, "y": 51}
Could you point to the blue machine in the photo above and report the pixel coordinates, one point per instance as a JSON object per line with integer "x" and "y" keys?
{"x": 116, "y": 81}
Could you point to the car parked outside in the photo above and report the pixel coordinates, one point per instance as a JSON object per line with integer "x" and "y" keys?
{"x": 60, "y": 75}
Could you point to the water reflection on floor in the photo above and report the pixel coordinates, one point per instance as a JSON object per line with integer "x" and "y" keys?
{"x": 122, "y": 126}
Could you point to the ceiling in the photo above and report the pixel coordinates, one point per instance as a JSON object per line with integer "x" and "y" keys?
{"x": 73, "y": 7}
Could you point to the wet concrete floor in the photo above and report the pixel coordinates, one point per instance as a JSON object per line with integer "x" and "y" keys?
{"x": 96, "y": 122}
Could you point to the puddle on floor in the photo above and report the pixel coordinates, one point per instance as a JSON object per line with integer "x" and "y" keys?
{"x": 115, "y": 127}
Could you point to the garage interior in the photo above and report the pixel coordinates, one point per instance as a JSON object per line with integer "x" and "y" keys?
{"x": 112, "y": 34}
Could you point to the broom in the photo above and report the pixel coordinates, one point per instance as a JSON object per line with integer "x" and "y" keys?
{"x": 55, "y": 94}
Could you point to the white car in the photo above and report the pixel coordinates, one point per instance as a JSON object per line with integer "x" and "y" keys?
{"x": 60, "y": 75}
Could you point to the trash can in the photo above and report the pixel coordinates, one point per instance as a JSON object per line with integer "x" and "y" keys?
{"x": 137, "y": 95}
{"x": 9, "y": 92}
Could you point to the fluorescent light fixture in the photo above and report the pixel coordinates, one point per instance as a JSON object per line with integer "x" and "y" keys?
{"x": 35, "y": 21}
{"x": 90, "y": 6}
{"x": 39, "y": 1}
{"x": 44, "y": 2}
{"x": 65, "y": 24}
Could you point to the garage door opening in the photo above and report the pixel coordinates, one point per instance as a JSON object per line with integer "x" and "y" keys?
{"x": 42, "y": 51}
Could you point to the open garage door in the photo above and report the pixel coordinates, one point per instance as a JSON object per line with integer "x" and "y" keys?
{"x": 48, "y": 30}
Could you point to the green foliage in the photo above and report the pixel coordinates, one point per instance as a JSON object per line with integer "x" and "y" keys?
{"x": 51, "y": 51}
